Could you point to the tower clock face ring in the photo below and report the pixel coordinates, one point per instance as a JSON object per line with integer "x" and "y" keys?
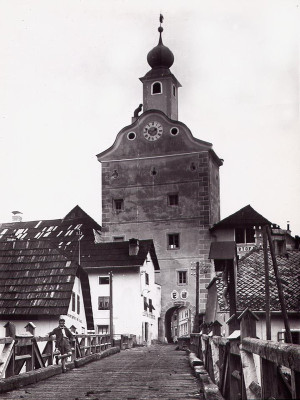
{"x": 152, "y": 131}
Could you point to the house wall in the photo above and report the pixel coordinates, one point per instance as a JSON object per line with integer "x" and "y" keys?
{"x": 129, "y": 289}
{"x": 77, "y": 317}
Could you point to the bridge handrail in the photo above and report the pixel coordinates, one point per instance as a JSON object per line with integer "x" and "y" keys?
{"x": 284, "y": 354}
{"x": 26, "y": 352}
{"x": 246, "y": 367}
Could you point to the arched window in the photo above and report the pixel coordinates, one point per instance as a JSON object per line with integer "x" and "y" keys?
{"x": 156, "y": 88}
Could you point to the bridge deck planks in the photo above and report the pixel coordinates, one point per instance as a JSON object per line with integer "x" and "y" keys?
{"x": 142, "y": 373}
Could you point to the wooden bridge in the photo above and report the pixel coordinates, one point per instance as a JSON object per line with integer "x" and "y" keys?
{"x": 141, "y": 372}
{"x": 233, "y": 368}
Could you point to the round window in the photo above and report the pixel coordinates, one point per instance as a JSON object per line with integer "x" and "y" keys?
{"x": 131, "y": 135}
{"x": 174, "y": 131}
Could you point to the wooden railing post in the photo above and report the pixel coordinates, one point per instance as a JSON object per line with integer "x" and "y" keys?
{"x": 234, "y": 367}
{"x": 216, "y": 328}
{"x": 233, "y": 323}
{"x": 30, "y": 327}
{"x": 10, "y": 329}
{"x": 250, "y": 379}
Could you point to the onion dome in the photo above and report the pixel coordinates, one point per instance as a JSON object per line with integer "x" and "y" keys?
{"x": 160, "y": 56}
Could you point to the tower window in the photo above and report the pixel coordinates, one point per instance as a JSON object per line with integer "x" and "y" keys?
{"x": 174, "y": 91}
{"x": 156, "y": 88}
{"x": 131, "y": 135}
{"x": 181, "y": 277}
{"x": 173, "y": 199}
{"x": 174, "y": 131}
{"x": 118, "y": 205}
{"x": 153, "y": 171}
{"x": 173, "y": 241}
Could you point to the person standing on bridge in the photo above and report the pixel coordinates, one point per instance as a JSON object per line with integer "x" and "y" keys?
{"x": 63, "y": 338}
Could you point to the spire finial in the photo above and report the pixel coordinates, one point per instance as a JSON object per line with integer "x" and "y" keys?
{"x": 160, "y": 29}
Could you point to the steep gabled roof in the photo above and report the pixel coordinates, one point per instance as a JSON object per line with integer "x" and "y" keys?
{"x": 251, "y": 282}
{"x": 37, "y": 279}
{"x": 246, "y": 216}
{"x": 116, "y": 254}
{"x": 64, "y": 232}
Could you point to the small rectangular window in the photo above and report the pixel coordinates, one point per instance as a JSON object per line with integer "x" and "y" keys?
{"x": 73, "y": 302}
{"x": 103, "y": 280}
{"x": 118, "y": 205}
{"x": 173, "y": 241}
{"x": 146, "y": 278}
{"x": 181, "y": 277}
{"x": 102, "y": 329}
{"x": 118, "y": 238}
{"x": 146, "y": 305}
{"x": 173, "y": 199}
{"x": 78, "y": 304}
{"x": 103, "y": 303}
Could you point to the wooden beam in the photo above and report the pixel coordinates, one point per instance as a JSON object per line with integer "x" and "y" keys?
{"x": 280, "y": 290}
{"x": 267, "y": 283}
{"x": 280, "y": 353}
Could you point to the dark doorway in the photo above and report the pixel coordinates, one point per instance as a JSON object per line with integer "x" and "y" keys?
{"x": 168, "y": 319}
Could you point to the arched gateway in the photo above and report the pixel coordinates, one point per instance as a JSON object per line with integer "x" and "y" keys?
{"x": 176, "y": 320}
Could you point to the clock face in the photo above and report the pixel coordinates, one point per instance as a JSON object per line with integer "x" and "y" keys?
{"x": 153, "y": 131}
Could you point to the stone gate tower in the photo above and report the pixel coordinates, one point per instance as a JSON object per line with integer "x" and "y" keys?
{"x": 160, "y": 182}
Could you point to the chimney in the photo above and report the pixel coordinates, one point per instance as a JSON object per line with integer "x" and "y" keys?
{"x": 16, "y": 216}
{"x": 133, "y": 247}
{"x": 288, "y": 226}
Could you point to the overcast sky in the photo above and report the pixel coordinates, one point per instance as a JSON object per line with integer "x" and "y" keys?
{"x": 69, "y": 83}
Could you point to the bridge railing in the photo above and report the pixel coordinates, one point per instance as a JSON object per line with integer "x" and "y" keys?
{"x": 24, "y": 353}
{"x": 125, "y": 341}
{"x": 244, "y": 367}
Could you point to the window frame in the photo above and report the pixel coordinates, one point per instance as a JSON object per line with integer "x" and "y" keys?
{"x": 115, "y": 202}
{"x": 152, "y": 88}
{"x": 247, "y": 233}
{"x": 101, "y": 277}
{"x": 106, "y": 304}
{"x": 118, "y": 238}
{"x": 171, "y": 198}
{"x": 73, "y": 302}
{"x": 146, "y": 278}
{"x": 184, "y": 273}
{"x": 174, "y": 91}
{"x": 78, "y": 304}
{"x": 170, "y": 245}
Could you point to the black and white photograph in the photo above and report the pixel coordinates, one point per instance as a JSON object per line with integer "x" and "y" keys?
{"x": 150, "y": 191}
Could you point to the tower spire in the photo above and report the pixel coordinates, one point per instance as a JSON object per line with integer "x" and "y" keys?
{"x": 160, "y": 29}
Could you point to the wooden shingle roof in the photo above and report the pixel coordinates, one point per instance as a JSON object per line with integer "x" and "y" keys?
{"x": 36, "y": 279}
{"x": 251, "y": 282}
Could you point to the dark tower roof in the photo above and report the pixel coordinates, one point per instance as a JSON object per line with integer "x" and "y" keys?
{"x": 160, "y": 56}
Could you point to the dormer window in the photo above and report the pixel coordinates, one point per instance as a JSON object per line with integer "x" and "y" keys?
{"x": 156, "y": 88}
